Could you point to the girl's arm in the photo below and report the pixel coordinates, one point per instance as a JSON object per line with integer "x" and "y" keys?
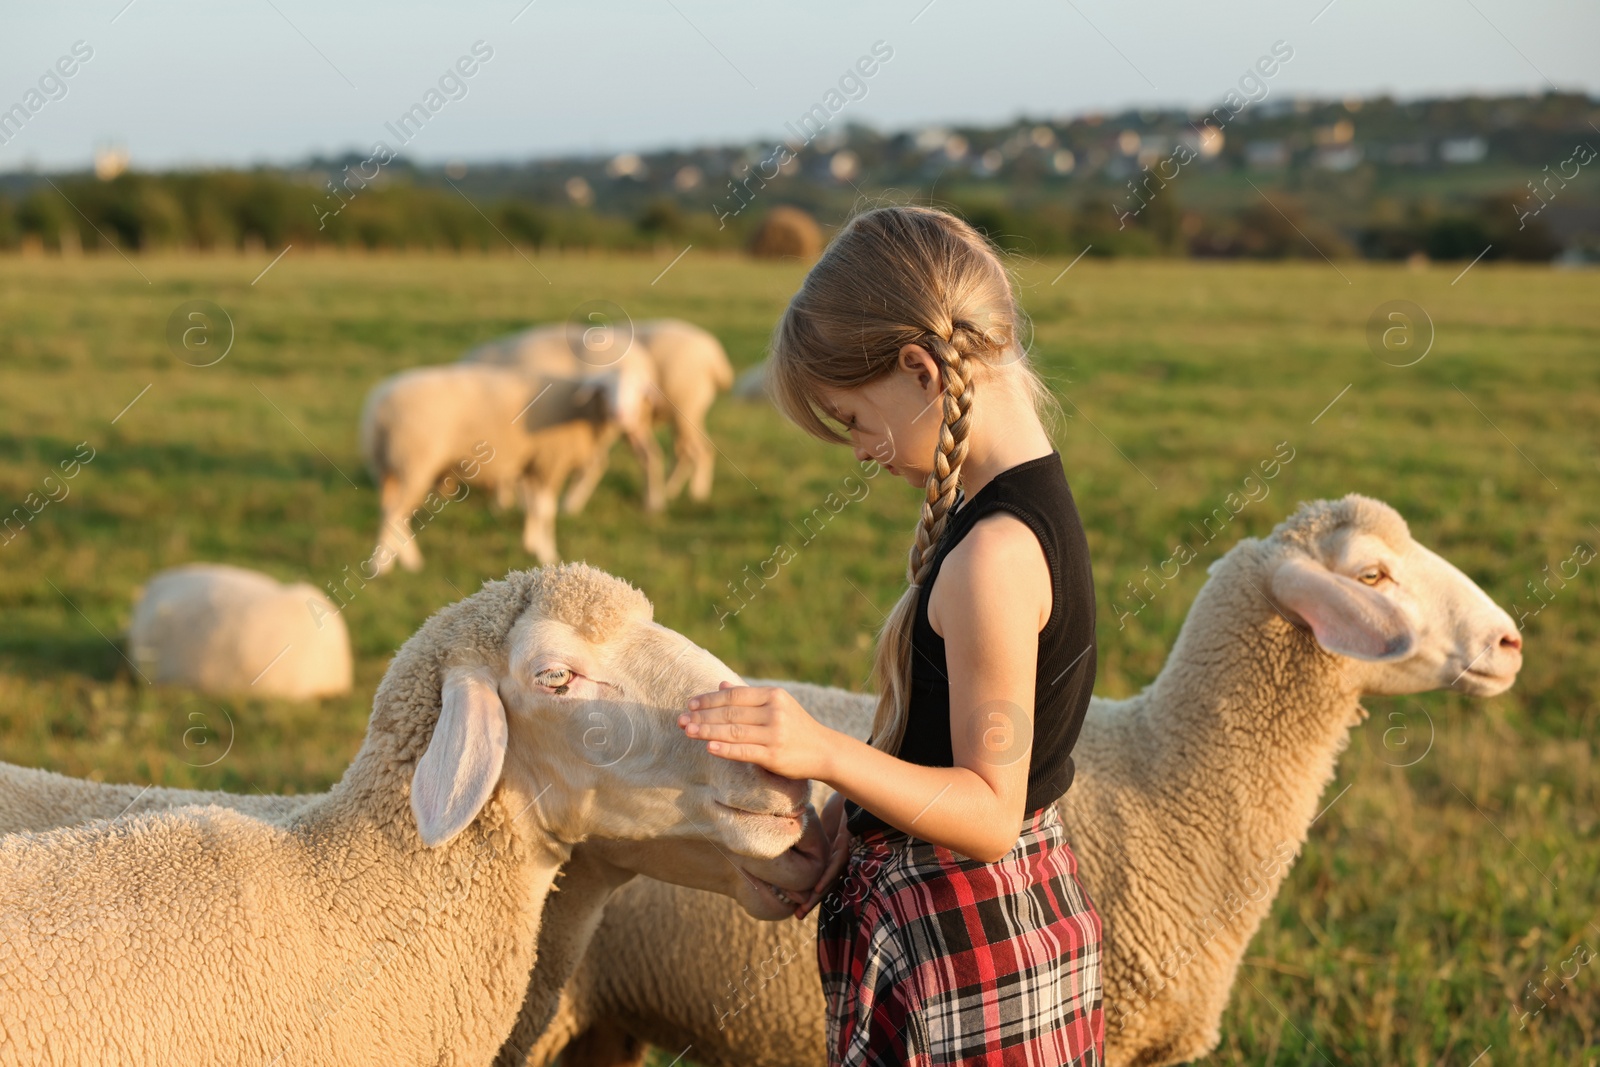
{"x": 991, "y": 600}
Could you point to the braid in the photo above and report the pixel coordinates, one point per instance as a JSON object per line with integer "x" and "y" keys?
{"x": 893, "y": 667}
{"x": 947, "y": 460}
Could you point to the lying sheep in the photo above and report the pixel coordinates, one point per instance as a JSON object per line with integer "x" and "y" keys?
{"x": 392, "y": 920}
{"x": 230, "y": 631}
{"x": 690, "y": 368}
{"x": 1190, "y": 803}
{"x": 493, "y": 427}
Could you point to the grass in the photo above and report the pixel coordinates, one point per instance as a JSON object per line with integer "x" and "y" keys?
{"x": 1429, "y": 895}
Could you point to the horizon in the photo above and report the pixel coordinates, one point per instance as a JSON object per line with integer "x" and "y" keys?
{"x": 307, "y": 85}
{"x": 314, "y": 160}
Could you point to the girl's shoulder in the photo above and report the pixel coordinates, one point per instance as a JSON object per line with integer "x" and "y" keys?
{"x": 999, "y": 565}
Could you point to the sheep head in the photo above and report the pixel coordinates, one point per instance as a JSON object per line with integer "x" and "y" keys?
{"x": 1349, "y": 571}
{"x": 624, "y": 390}
{"x": 575, "y": 720}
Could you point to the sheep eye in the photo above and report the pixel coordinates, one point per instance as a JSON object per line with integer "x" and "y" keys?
{"x": 1371, "y": 576}
{"x": 556, "y": 678}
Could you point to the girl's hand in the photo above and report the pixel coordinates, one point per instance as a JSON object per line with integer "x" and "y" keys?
{"x": 761, "y": 725}
{"x": 837, "y": 848}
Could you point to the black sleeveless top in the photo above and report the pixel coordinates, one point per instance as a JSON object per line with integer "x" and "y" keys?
{"x": 1036, "y": 492}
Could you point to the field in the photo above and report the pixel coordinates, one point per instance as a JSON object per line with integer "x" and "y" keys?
{"x": 1443, "y": 897}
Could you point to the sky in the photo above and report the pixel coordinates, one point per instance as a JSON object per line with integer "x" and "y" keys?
{"x": 182, "y": 82}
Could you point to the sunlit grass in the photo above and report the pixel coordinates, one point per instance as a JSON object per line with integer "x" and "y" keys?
{"x": 1428, "y": 896}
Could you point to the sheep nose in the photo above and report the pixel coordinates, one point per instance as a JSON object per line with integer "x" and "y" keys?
{"x": 796, "y": 790}
{"x": 1511, "y": 642}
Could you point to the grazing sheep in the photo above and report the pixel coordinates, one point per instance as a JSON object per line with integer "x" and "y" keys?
{"x": 1190, "y": 802}
{"x": 786, "y": 233}
{"x": 568, "y": 350}
{"x": 690, "y": 368}
{"x": 227, "y": 630}
{"x": 495, "y": 427}
{"x": 392, "y": 920}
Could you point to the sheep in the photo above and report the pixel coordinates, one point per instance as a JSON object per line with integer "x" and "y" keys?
{"x": 571, "y": 351}
{"x": 1191, "y": 801}
{"x": 765, "y": 888}
{"x": 230, "y": 631}
{"x": 690, "y": 368}
{"x": 463, "y": 424}
{"x": 35, "y": 800}
{"x": 392, "y": 920}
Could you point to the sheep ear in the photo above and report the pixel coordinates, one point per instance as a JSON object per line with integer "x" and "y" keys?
{"x": 591, "y": 399}
{"x": 461, "y": 767}
{"x": 1347, "y": 617}
{"x": 610, "y": 389}
{"x": 586, "y": 392}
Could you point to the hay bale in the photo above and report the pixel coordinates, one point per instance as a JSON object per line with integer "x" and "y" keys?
{"x": 786, "y": 232}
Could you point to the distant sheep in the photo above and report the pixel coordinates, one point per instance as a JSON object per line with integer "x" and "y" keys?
{"x": 493, "y": 427}
{"x": 570, "y": 351}
{"x": 230, "y": 631}
{"x": 392, "y": 920}
{"x": 690, "y": 368}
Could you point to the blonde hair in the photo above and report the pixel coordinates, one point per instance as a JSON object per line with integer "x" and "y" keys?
{"x": 897, "y": 276}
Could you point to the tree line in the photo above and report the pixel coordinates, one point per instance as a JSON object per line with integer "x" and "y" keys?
{"x": 217, "y": 210}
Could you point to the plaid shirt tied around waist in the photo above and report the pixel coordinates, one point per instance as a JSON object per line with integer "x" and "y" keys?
{"x": 930, "y": 958}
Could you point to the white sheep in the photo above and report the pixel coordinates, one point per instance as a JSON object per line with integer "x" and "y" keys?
{"x": 690, "y": 368}
{"x": 765, "y": 888}
{"x": 231, "y": 631}
{"x": 445, "y": 428}
{"x": 393, "y": 920}
{"x": 35, "y": 800}
{"x": 1190, "y": 802}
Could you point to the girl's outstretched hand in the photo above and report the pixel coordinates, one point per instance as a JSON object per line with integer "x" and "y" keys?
{"x": 763, "y": 725}
{"x": 837, "y": 836}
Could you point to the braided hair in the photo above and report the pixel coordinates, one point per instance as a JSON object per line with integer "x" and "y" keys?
{"x": 897, "y": 276}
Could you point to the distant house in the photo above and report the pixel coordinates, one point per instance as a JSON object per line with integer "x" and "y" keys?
{"x": 1407, "y": 153}
{"x": 1265, "y": 155}
{"x": 1341, "y": 132}
{"x": 1463, "y": 150}
{"x": 1338, "y": 157}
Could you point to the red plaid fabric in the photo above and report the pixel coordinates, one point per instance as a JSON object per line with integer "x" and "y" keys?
{"x": 930, "y": 958}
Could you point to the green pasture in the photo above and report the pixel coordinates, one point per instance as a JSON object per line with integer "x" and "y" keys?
{"x": 1429, "y": 896}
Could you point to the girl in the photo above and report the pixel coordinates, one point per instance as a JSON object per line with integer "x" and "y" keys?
{"x": 962, "y": 934}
